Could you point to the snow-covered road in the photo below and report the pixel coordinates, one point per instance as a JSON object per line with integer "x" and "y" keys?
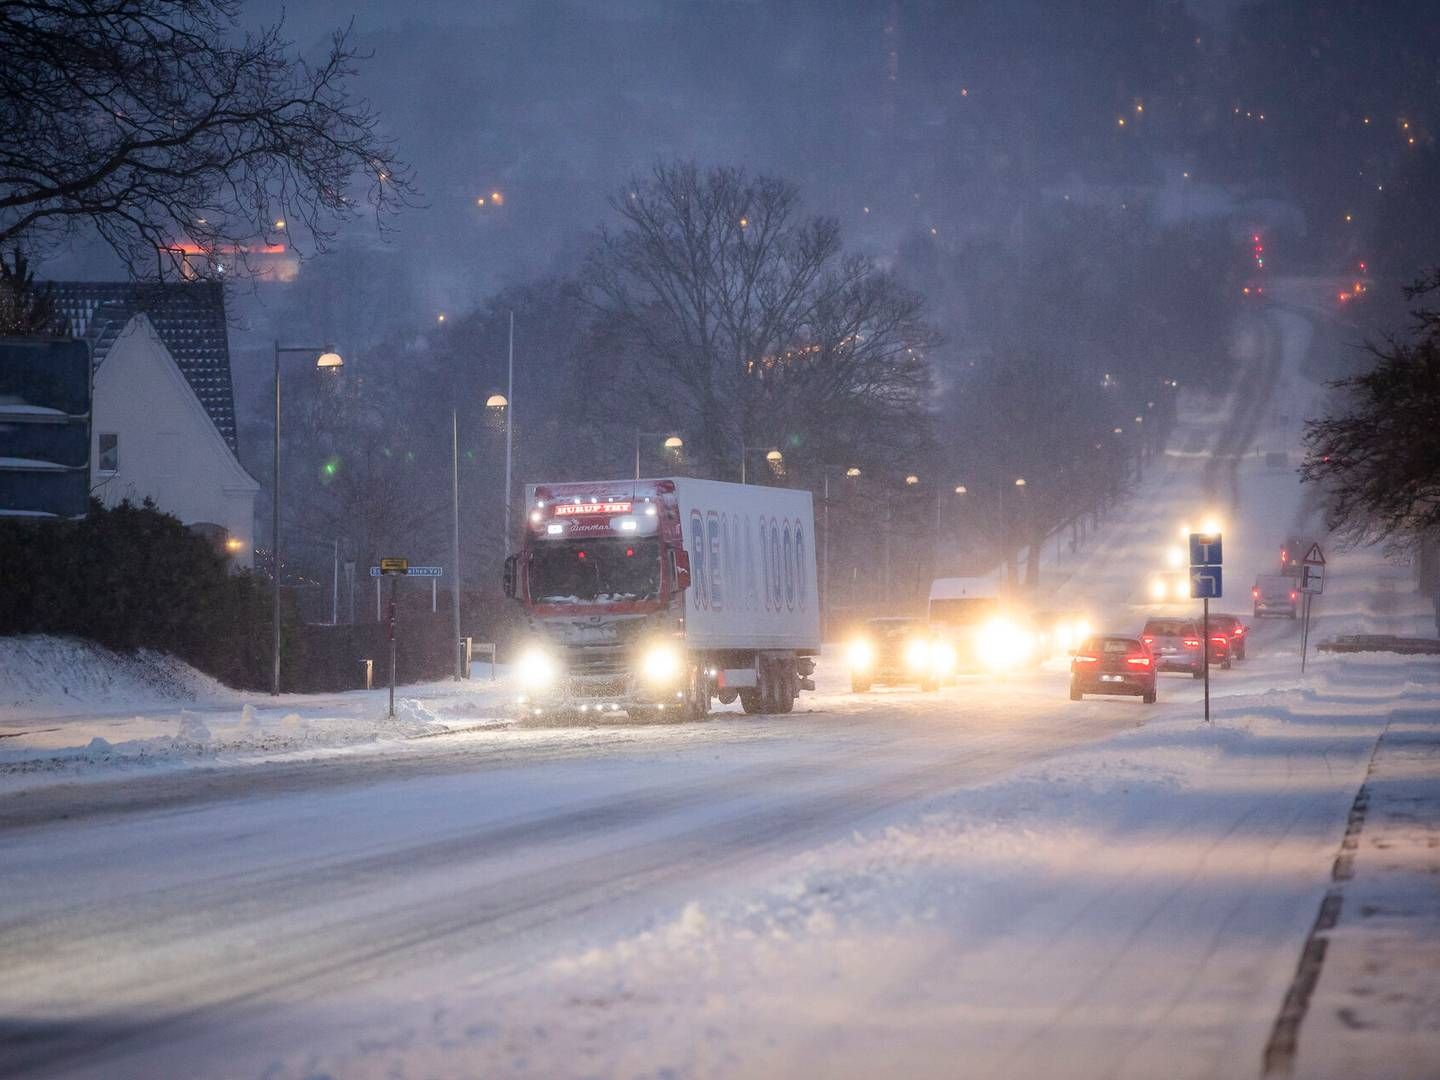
{"x": 987, "y": 881}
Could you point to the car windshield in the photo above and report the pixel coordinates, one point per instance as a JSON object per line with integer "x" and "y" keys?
{"x": 1168, "y": 627}
{"x": 597, "y": 570}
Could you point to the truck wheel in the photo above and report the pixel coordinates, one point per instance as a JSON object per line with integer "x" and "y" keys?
{"x": 759, "y": 699}
{"x": 697, "y": 703}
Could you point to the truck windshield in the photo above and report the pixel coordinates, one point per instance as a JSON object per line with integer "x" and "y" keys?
{"x": 606, "y": 568}
{"x": 963, "y": 611}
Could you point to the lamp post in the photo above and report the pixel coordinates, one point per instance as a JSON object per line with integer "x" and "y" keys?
{"x": 672, "y": 442}
{"x": 509, "y": 426}
{"x": 773, "y": 456}
{"x": 852, "y": 472}
{"x": 455, "y": 542}
{"x": 326, "y": 359}
{"x": 499, "y": 404}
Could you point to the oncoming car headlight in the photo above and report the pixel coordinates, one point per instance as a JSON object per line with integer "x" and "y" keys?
{"x": 661, "y": 663}
{"x": 860, "y": 654}
{"x": 917, "y": 655}
{"x": 1182, "y": 589}
{"x": 942, "y": 658}
{"x": 536, "y": 668}
{"x": 1159, "y": 589}
{"x": 1003, "y": 644}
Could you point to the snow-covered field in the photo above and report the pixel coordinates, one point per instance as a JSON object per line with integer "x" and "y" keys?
{"x": 987, "y": 881}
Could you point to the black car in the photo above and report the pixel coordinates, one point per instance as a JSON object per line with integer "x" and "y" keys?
{"x": 896, "y": 651}
{"x": 1113, "y": 665}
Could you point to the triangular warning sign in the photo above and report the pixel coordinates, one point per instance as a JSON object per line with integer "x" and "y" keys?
{"x": 1314, "y": 557}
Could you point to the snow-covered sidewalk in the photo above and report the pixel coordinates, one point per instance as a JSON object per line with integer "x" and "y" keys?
{"x": 73, "y": 709}
{"x": 1375, "y": 1010}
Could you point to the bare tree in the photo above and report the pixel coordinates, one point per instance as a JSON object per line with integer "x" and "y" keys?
{"x": 158, "y": 127}
{"x": 1377, "y": 459}
{"x": 726, "y": 313}
{"x": 26, "y": 308}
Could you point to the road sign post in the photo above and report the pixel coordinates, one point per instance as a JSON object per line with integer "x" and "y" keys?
{"x": 392, "y": 648}
{"x": 1312, "y": 584}
{"x": 395, "y": 568}
{"x": 1207, "y": 553}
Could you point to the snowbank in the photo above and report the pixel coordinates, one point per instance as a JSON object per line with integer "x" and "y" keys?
{"x": 51, "y": 676}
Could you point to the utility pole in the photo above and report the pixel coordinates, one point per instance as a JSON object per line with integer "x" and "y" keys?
{"x": 509, "y": 428}
{"x": 455, "y": 540}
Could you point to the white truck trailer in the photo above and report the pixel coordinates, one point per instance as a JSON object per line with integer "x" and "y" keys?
{"x": 661, "y": 594}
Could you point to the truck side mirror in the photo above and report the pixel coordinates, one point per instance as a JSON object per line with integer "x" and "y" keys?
{"x": 512, "y": 575}
{"x": 682, "y": 569}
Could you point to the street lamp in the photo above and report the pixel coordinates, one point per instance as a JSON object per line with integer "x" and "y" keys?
{"x": 773, "y": 456}
{"x": 326, "y": 359}
{"x": 673, "y": 443}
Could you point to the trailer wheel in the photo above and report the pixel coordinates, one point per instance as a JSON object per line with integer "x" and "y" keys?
{"x": 787, "y": 685}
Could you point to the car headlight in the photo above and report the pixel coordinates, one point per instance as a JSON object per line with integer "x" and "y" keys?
{"x": 917, "y": 655}
{"x": 1004, "y": 645}
{"x": 860, "y": 654}
{"x": 1159, "y": 590}
{"x": 661, "y": 664}
{"x": 536, "y": 668}
{"x": 942, "y": 658}
{"x": 1182, "y": 590}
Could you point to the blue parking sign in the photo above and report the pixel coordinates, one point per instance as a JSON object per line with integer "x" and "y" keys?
{"x": 1205, "y": 582}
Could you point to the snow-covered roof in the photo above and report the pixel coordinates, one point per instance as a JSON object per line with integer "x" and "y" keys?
{"x": 189, "y": 317}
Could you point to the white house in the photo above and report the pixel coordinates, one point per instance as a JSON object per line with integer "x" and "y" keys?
{"x": 163, "y": 425}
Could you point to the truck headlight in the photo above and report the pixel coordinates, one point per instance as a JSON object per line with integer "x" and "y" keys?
{"x": 917, "y": 656}
{"x": 661, "y": 663}
{"x": 536, "y": 668}
{"x": 860, "y": 654}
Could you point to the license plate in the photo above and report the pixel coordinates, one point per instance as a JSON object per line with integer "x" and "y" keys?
{"x": 1112, "y": 678}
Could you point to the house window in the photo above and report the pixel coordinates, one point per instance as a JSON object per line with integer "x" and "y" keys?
{"x": 109, "y": 452}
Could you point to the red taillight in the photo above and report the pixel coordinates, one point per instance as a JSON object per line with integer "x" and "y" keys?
{"x": 1239, "y": 631}
{"x": 1082, "y": 659}
{"x": 1220, "y": 639}
{"x": 1192, "y": 643}
{"x": 1255, "y": 592}
{"x": 1294, "y": 596}
{"x": 1138, "y": 661}
{"x": 1148, "y": 640}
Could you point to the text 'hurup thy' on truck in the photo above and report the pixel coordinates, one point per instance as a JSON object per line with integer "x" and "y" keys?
{"x": 655, "y": 596}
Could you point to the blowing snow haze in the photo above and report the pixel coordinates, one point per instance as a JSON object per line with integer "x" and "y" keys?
{"x": 752, "y": 539}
